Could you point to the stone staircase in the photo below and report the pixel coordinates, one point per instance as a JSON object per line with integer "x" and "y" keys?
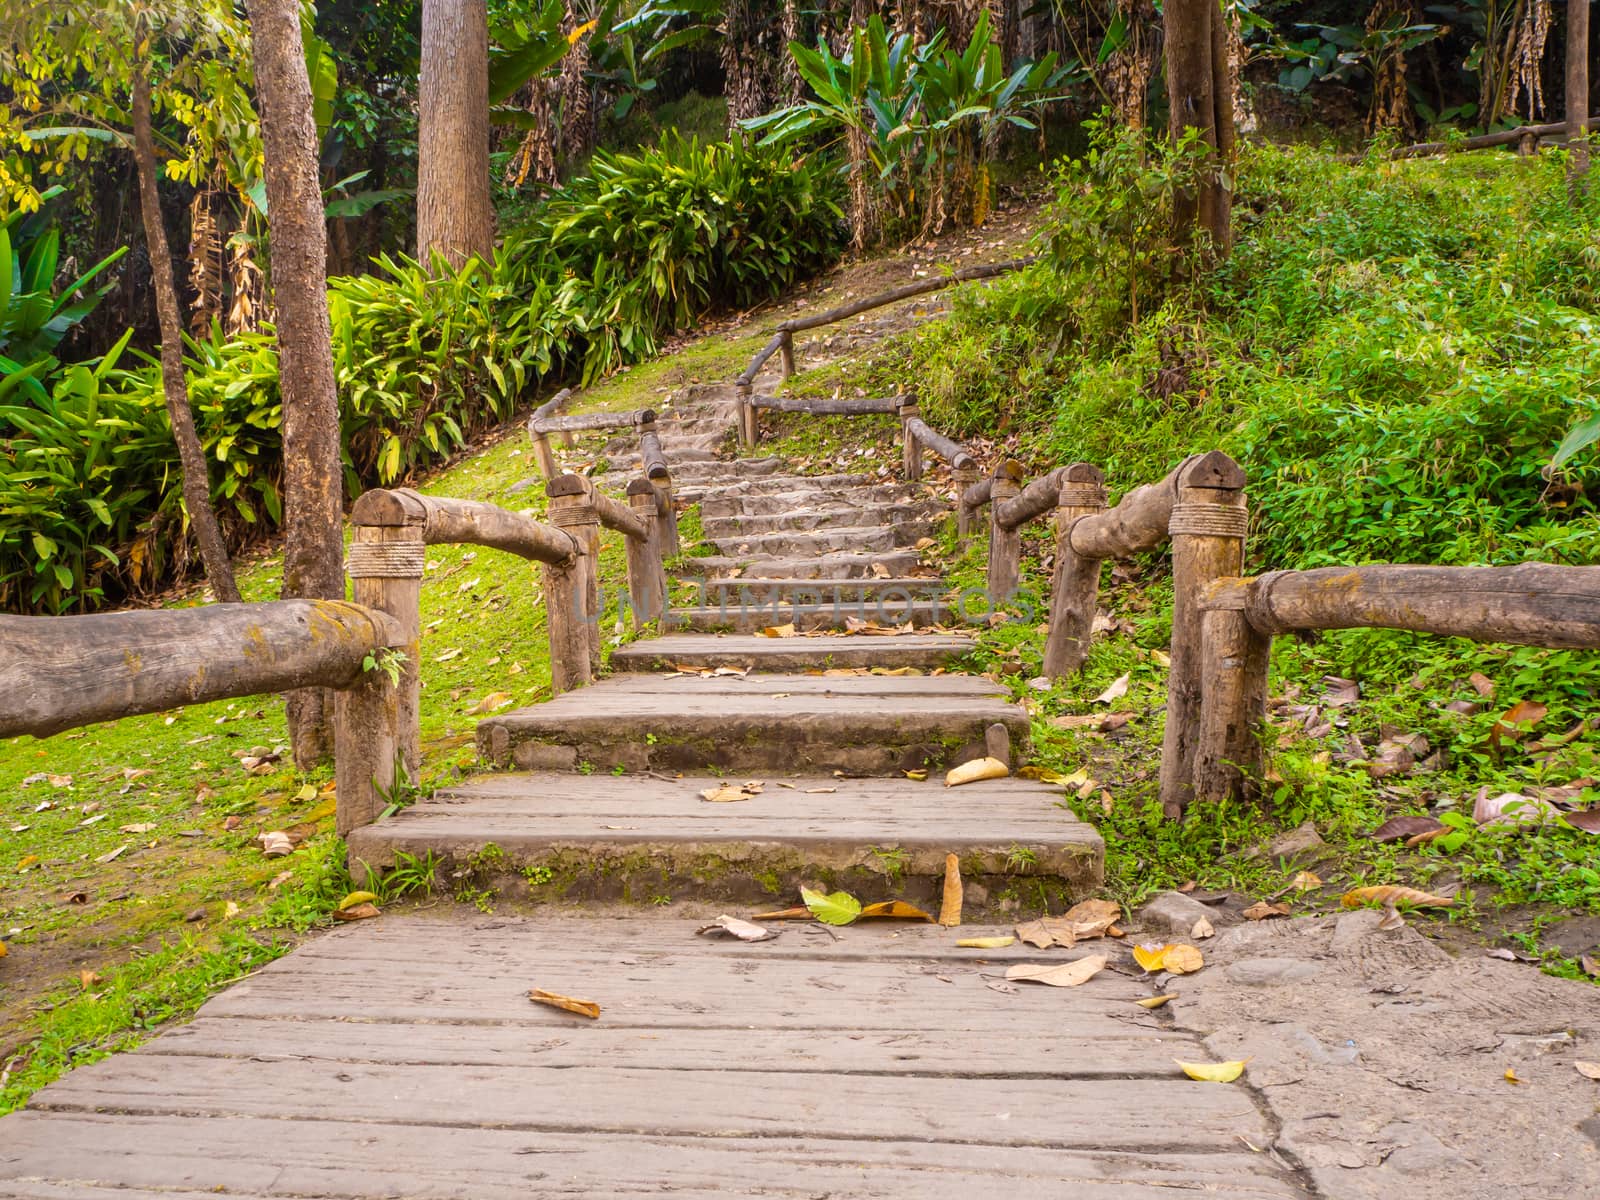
{"x": 825, "y": 747}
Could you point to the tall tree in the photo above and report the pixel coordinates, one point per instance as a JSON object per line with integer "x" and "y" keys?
{"x": 1577, "y": 85}
{"x": 454, "y": 214}
{"x": 83, "y": 60}
{"x": 313, "y": 483}
{"x": 1200, "y": 87}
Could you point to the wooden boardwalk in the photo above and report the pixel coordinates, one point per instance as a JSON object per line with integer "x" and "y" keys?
{"x": 402, "y": 1057}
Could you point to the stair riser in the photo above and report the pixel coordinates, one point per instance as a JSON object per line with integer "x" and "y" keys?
{"x": 889, "y": 653}
{"x": 749, "y": 592}
{"x": 808, "y": 617}
{"x": 756, "y": 874}
{"x": 857, "y": 540}
{"x": 802, "y": 520}
{"x": 759, "y": 504}
{"x": 817, "y": 743}
{"x": 769, "y": 484}
{"x": 848, "y": 566}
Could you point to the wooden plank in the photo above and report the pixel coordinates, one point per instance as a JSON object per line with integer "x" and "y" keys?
{"x": 764, "y": 654}
{"x": 1028, "y": 1053}
{"x": 1061, "y": 1114}
{"x": 878, "y": 795}
{"x": 250, "y": 1157}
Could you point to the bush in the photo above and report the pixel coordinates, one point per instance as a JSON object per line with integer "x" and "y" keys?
{"x": 91, "y": 502}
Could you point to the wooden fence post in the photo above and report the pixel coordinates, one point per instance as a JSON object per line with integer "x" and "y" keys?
{"x": 1005, "y": 545}
{"x": 1207, "y": 527}
{"x": 376, "y": 724}
{"x": 910, "y": 448}
{"x": 965, "y": 477}
{"x": 647, "y": 582}
{"x": 571, "y": 588}
{"x": 1234, "y": 657}
{"x": 666, "y": 517}
{"x": 1075, "y": 590}
{"x": 749, "y": 431}
{"x": 786, "y": 354}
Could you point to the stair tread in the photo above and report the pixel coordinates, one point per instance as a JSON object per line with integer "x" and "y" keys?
{"x": 926, "y": 650}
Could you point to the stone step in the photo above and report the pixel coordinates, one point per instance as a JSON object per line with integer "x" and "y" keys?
{"x": 845, "y": 614}
{"x": 558, "y": 836}
{"x": 856, "y": 539}
{"x": 833, "y": 516}
{"x": 671, "y": 443}
{"x": 760, "y": 503}
{"x": 762, "y": 484}
{"x": 862, "y": 724}
{"x": 755, "y": 590}
{"x": 844, "y": 565}
{"x": 682, "y": 456}
{"x": 673, "y": 651}
{"x": 715, "y": 470}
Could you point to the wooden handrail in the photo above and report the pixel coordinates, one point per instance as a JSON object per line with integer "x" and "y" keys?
{"x": 1482, "y": 141}
{"x": 829, "y": 408}
{"x": 58, "y": 673}
{"x": 619, "y": 517}
{"x": 585, "y": 422}
{"x": 552, "y": 406}
{"x": 904, "y": 292}
{"x": 444, "y": 521}
{"x": 747, "y": 377}
{"x": 951, "y": 451}
{"x": 1038, "y": 498}
{"x": 651, "y": 456}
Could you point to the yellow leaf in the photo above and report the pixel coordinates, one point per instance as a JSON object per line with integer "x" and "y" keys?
{"x": 3, "y": 950}
{"x": 1055, "y": 778}
{"x": 976, "y": 770}
{"x": 1511, "y": 1075}
{"x": 357, "y": 912}
{"x": 779, "y": 631}
{"x": 1305, "y": 881}
{"x": 1155, "y": 1001}
{"x": 580, "y": 32}
{"x": 27, "y": 860}
{"x": 919, "y": 776}
{"x": 584, "y": 1008}
{"x": 1182, "y": 959}
{"x": 1390, "y": 894}
{"x": 493, "y": 701}
{"x": 897, "y": 909}
{"x": 1588, "y": 1070}
{"x": 355, "y": 898}
{"x": 1069, "y": 974}
{"x": 1225, "y": 1072}
{"x": 1150, "y": 957}
{"x": 987, "y": 943}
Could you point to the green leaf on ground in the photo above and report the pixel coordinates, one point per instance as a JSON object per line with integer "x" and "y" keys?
{"x": 838, "y": 908}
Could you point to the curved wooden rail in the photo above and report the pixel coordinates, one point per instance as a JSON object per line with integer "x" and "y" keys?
{"x": 443, "y": 521}
{"x": 889, "y": 405}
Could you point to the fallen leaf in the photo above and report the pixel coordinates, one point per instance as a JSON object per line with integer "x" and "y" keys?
{"x": 306, "y": 794}
{"x": 1048, "y": 931}
{"x": 950, "y": 899}
{"x": 729, "y": 792}
{"x": 1304, "y": 881}
{"x": 1513, "y": 808}
{"x": 140, "y": 827}
{"x": 230, "y": 910}
{"x": 1588, "y": 1070}
{"x": 1518, "y": 719}
{"x": 1262, "y": 911}
{"x": 113, "y": 855}
{"x": 1224, "y": 1072}
{"x": 26, "y": 861}
{"x": 1054, "y": 778}
{"x": 1589, "y": 966}
{"x": 1069, "y": 974}
{"x": 800, "y": 913}
{"x": 1481, "y": 684}
{"x": 583, "y": 1008}
{"x": 491, "y": 702}
{"x": 1175, "y": 957}
{"x": 1117, "y": 690}
{"x": 895, "y": 910}
{"x": 916, "y": 776}
{"x": 87, "y": 979}
{"x": 779, "y": 631}
{"x": 357, "y": 912}
{"x": 837, "y": 908}
{"x": 3, "y": 950}
{"x": 1092, "y": 918}
{"x": 1156, "y": 1001}
{"x": 821, "y": 791}
{"x": 987, "y": 943}
{"x": 355, "y": 898}
{"x": 976, "y": 770}
{"x": 1399, "y": 829}
{"x": 1586, "y": 819}
{"x": 1390, "y": 894}
{"x": 275, "y": 844}
{"x": 745, "y": 931}
{"x": 1202, "y": 929}
{"x": 1391, "y": 920}
{"x": 1511, "y": 1075}
{"x": 278, "y": 880}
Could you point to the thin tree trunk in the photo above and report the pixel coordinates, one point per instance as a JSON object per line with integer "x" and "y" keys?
{"x": 191, "y": 458}
{"x": 1200, "y": 97}
{"x": 454, "y": 215}
{"x": 313, "y": 510}
{"x": 1578, "y": 87}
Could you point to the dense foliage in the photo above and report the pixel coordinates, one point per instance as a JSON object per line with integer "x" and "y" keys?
{"x": 90, "y": 501}
{"x": 1394, "y": 351}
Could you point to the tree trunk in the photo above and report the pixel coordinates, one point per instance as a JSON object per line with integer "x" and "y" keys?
{"x": 1200, "y": 88}
{"x": 191, "y": 458}
{"x": 313, "y": 509}
{"x": 1578, "y": 87}
{"x": 454, "y": 215}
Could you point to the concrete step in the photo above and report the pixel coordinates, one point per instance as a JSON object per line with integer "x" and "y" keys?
{"x": 845, "y": 565}
{"x": 695, "y": 651}
{"x": 855, "y": 539}
{"x": 754, "y": 503}
{"x": 682, "y": 456}
{"x": 862, "y": 724}
{"x": 755, "y": 590}
{"x": 845, "y": 614}
{"x": 831, "y": 516}
{"x": 562, "y": 836}
{"x": 762, "y": 484}
{"x": 718, "y": 471}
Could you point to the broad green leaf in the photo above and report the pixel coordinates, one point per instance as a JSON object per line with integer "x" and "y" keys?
{"x": 837, "y": 908}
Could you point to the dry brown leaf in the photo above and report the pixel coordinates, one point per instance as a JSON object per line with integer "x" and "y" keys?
{"x": 1304, "y": 881}
{"x": 727, "y": 793}
{"x": 1092, "y": 918}
{"x": 1391, "y": 920}
{"x": 357, "y": 912}
{"x": 87, "y": 979}
{"x": 275, "y": 844}
{"x": 802, "y": 913}
{"x": 976, "y": 770}
{"x": 583, "y": 1008}
{"x": 1391, "y": 895}
{"x": 779, "y": 631}
{"x": 745, "y": 931}
{"x": 1588, "y": 1070}
{"x": 1202, "y": 929}
{"x": 1048, "y": 931}
{"x": 1589, "y": 966}
{"x": 1399, "y": 829}
{"x": 896, "y": 910}
{"x": 951, "y": 899}
{"x": 1117, "y": 690}
{"x": 1262, "y": 911}
{"x": 1481, "y": 684}
{"x": 1431, "y": 835}
{"x": 1069, "y": 974}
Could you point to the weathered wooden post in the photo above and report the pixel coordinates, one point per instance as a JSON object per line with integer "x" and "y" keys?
{"x": 647, "y": 582}
{"x": 1075, "y": 589}
{"x": 543, "y": 455}
{"x": 965, "y": 478}
{"x": 749, "y": 431}
{"x": 1207, "y": 527}
{"x": 659, "y": 474}
{"x": 386, "y": 561}
{"x": 1234, "y": 657}
{"x": 786, "y": 353}
{"x": 571, "y": 589}
{"x": 1005, "y": 545}
{"x": 910, "y": 448}
{"x": 376, "y": 724}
